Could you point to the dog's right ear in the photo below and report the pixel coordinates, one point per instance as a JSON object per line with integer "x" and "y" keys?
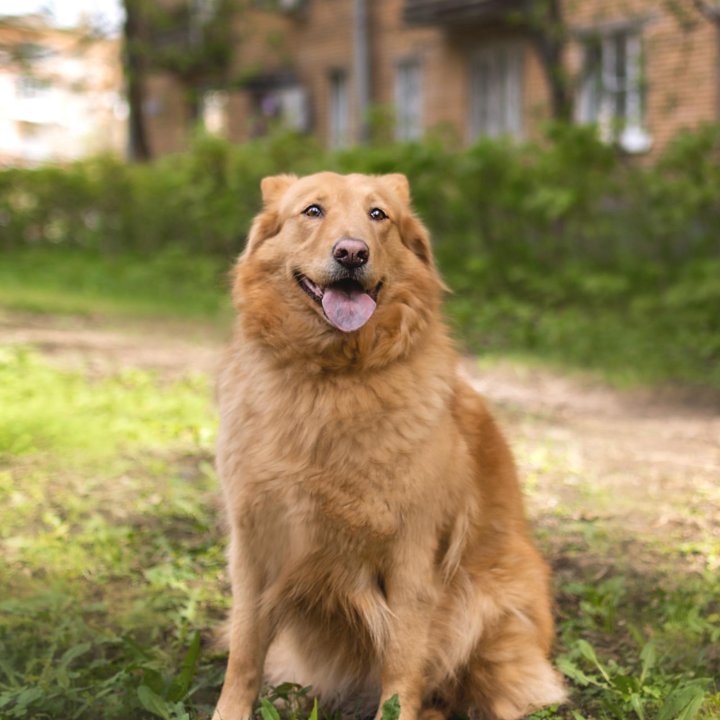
{"x": 267, "y": 223}
{"x": 274, "y": 187}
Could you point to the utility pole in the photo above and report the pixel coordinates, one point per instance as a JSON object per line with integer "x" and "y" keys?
{"x": 361, "y": 62}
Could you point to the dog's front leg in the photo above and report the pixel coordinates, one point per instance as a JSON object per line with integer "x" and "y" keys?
{"x": 411, "y": 598}
{"x": 250, "y": 636}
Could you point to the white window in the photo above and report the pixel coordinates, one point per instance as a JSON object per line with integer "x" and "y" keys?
{"x": 408, "y": 100}
{"x": 339, "y": 110}
{"x": 214, "y": 111}
{"x": 611, "y": 90}
{"x": 496, "y": 91}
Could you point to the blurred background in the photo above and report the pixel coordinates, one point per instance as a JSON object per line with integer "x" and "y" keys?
{"x": 565, "y": 155}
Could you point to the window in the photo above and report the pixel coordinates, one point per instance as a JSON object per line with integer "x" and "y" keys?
{"x": 339, "y": 111}
{"x": 213, "y": 111}
{"x": 408, "y": 101}
{"x": 496, "y": 82}
{"x": 611, "y": 89}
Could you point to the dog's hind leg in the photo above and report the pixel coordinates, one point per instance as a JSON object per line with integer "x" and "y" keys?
{"x": 510, "y": 676}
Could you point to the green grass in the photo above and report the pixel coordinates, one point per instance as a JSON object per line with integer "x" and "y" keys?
{"x": 112, "y": 576}
{"x": 112, "y": 567}
{"x": 165, "y": 284}
{"x": 111, "y": 561}
{"x": 640, "y": 337}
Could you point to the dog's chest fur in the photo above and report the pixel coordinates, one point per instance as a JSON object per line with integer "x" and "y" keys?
{"x": 355, "y": 452}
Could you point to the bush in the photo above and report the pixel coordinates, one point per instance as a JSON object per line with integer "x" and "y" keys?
{"x": 536, "y": 239}
{"x": 567, "y": 198}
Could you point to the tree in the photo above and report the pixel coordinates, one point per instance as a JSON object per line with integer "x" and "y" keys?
{"x": 135, "y": 65}
{"x": 192, "y": 40}
{"x": 549, "y": 32}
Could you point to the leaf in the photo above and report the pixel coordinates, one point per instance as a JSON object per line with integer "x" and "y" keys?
{"x": 587, "y": 651}
{"x": 314, "y": 713}
{"x": 648, "y": 656}
{"x": 181, "y": 684}
{"x": 153, "y": 703}
{"x": 28, "y": 696}
{"x": 637, "y": 706}
{"x": 682, "y": 704}
{"x": 268, "y": 710}
{"x": 391, "y": 708}
{"x": 73, "y": 653}
{"x": 568, "y": 668}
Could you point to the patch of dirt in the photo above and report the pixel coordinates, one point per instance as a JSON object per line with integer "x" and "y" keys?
{"x": 91, "y": 345}
{"x": 645, "y": 463}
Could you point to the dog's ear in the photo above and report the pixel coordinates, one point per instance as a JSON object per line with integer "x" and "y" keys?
{"x": 398, "y": 183}
{"x": 274, "y": 187}
{"x": 415, "y": 237}
{"x": 267, "y": 223}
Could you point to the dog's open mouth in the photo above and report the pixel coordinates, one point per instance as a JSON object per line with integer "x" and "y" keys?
{"x": 346, "y": 303}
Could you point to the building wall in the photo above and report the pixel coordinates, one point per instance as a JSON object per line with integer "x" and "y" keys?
{"x": 680, "y": 59}
{"x": 681, "y": 85}
{"x": 65, "y": 104}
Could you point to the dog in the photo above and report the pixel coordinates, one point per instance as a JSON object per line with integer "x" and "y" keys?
{"x": 378, "y": 544}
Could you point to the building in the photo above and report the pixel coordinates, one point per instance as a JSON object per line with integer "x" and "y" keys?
{"x": 640, "y": 70}
{"x": 60, "y": 93}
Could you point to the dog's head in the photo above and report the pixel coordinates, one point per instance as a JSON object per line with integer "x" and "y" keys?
{"x": 336, "y": 268}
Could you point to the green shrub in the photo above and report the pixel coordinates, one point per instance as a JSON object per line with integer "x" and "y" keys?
{"x": 568, "y": 197}
{"x": 538, "y": 240}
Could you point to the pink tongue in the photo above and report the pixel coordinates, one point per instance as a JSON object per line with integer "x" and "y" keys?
{"x": 347, "y": 310}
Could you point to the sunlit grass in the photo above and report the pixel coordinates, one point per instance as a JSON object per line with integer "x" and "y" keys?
{"x": 165, "y": 284}
{"x": 111, "y": 559}
{"x": 112, "y": 567}
{"x": 112, "y": 574}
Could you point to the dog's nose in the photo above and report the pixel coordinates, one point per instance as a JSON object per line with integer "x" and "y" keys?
{"x": 350, "y": 252}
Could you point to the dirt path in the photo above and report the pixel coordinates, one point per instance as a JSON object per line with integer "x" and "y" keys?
{"x": 645, "y": 464}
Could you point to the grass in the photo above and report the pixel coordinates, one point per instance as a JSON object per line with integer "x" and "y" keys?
{"x": 112, "y": 577}
{"x": 111, "y": 560}
{"x": 162, "y": 285}
{"x": 642, "y": 338}
{"x": 112, "y": 567}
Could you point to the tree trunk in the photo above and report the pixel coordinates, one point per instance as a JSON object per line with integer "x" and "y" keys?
{"x": 135, "y": 72}
{"x": 550, "y": 35}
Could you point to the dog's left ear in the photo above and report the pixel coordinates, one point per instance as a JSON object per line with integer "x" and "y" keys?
{"x": 412, "y": 232}
{"x": 398, "y": 183}
{"x": 416, "y": 237}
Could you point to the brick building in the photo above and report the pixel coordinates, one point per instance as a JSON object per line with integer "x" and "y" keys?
{"x": 639, "y": 69}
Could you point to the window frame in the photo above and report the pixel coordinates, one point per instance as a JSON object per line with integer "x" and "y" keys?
{"x": 612, "y": 88}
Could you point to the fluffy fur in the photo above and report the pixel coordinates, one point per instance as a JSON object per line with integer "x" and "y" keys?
{"x": 377, "y": 538}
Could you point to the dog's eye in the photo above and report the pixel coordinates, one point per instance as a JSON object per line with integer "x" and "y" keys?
{"x": 313, "y": 211}
{"x": 377, "y": 214}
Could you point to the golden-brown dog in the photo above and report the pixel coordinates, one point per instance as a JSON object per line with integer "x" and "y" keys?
{"x": 378, "y": 544}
